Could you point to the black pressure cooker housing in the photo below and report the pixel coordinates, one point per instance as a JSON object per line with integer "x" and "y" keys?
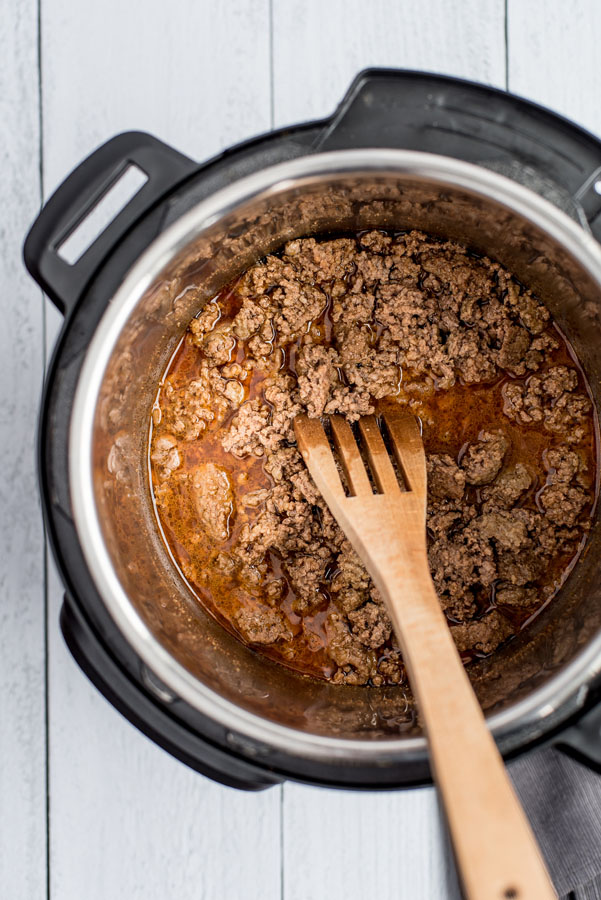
{"x": 383, "y": 108}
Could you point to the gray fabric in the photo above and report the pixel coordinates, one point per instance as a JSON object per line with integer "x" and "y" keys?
{"x": 563, "y": 802}
{"x": 590, "y": 891}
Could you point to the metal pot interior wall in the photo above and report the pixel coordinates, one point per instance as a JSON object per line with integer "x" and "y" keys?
{"x": 218, "y": 253}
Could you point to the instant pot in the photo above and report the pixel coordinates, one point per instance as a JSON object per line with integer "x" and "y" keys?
{"x": 403, "y": 150}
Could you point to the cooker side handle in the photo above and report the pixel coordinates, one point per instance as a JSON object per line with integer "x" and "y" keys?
{"x": 81, "y": 192}
{"x": 582, "y": 740}
{"x": 474, "y": 122}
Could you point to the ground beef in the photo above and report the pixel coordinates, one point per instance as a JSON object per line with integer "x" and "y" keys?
{"x": 188, "y": 411}
{"x": 508, "y": 487}
{"x": 343, "y": 326}
{"x": 445, "y": 478}
{"x": 482, "y": 636}
{"x": 483, "y": 459}
{"x": 317, "y": 375}
{"x": 551, "y": 399}
{"x": 370, "y": 625}
{"x": 165, "y": 456}
{"x": 262, "y": 625}
{"x": 213, "y": 499}
{"x": 513, "y": 596}
{"x": 567, "y": 490}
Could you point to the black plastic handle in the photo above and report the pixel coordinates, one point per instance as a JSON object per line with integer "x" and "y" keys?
{"x": 583, "y": 739}
{"x": 78, "y": 195}
{"x": 469, "y": 121}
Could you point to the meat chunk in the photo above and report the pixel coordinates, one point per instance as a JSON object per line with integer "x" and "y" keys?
{"x": 213, "y": 499}
{"x": 370, "y": 625}
{"x": 516, "y": 597}
{"x": 506, "y": 530}
{"x": 483, "y": 635}
{"x": 262, "y": 625}
{"x": 350, "y": 586}
{"x": 508, "y": 487}
{"x": 445, "y": 479}
{"x": 316, "y": 370}
{"x": 204, "y": 322}
{"x": 218, "y": 345}
{"x": 458, "y": 562}
{"x": 521, "y": 567}
{"x": 165, "y": 455}
{"x": 306, "y": 575}
{"x": 483, "y": 460}
{"x": 514, "y": 350}
{"x": 356, "y": 664}
{"x": 563, "y": 498}
{"x": 551, "y": 399}
{"x": 243, "y": 438}
{"x": 188, "y": 410}
{"x": 349, "y": 403}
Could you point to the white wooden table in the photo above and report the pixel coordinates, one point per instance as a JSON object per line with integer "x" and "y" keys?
{"x": 89, "y": 808}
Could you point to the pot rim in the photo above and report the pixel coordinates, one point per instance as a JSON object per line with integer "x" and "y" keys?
{"x": 532, "y": 715}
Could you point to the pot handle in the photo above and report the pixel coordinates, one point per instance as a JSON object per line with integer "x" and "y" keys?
{"x": 473, "y": 122}
{"x": 80, "y": 193}
{"x": 582, "y": 740}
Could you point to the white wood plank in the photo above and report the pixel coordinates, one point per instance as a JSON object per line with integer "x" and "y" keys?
{"x": 365, "y": 845}
{"x": 371, "y": 845}
{"x": 320, "y": 46}
{"x": 193, "y": 72}
{"x": 22, "y": 642}
{"x": 126, "y": 819}
{"x": 553, "y": 54}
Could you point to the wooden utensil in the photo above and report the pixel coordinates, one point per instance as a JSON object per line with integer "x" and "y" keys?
{"x": 496, "y": 851}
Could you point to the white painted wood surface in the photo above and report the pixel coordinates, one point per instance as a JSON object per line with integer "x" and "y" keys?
{"x": 22, "y": 596}
{"x": 125, "y": 820}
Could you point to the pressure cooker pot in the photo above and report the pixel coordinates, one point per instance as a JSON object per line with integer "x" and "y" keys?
{"x": 404, "y": 151}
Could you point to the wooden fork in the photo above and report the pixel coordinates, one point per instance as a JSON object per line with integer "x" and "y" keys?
{"x": 496, "y": 851}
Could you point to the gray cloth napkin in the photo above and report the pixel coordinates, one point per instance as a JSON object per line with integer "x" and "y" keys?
{"x": 562, "y": 799}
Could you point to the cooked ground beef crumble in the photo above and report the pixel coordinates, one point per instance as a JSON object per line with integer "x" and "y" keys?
{"x": 349, "y": 325}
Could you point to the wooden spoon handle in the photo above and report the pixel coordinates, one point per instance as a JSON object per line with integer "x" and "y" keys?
{"x": 496, "y": 851}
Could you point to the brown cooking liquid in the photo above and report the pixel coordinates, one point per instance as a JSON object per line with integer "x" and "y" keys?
{"x": 450, "y": 419}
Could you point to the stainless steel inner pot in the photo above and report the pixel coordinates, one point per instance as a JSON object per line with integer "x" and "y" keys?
{"x": 539, "y": 677}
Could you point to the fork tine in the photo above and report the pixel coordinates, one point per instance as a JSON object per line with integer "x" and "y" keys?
{"x": 350, "y": 457}
{"x": 316, "y": 451}
{"x": 406, "y": 440}
{"x": 377, "y": 454}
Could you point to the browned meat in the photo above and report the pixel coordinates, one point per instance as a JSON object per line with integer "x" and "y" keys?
{"x": 445, "y": 479}
{"x": 514, "y": 350}
{"x": 316, "y": 370}
{"x": 550, "y": 399}
{"x": 213, "y": 499}
{"x": 350, "y": 326}
{"x": 370, "y": 625}
{"x": 564, "y": 497}
{"x": 458, "y": 562}
{"x": 514, "y": 596}
{"x": 508, "y": 487}
{"x": 482, "y": 460}
{"x": 504, "y": 529}
{"x": 483, "y": 635}
{"x": 165, "y": 455}
{"x": 306, "y": 574}
{"x": 262, "y": 625}
{"x": 355, "y": 664}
